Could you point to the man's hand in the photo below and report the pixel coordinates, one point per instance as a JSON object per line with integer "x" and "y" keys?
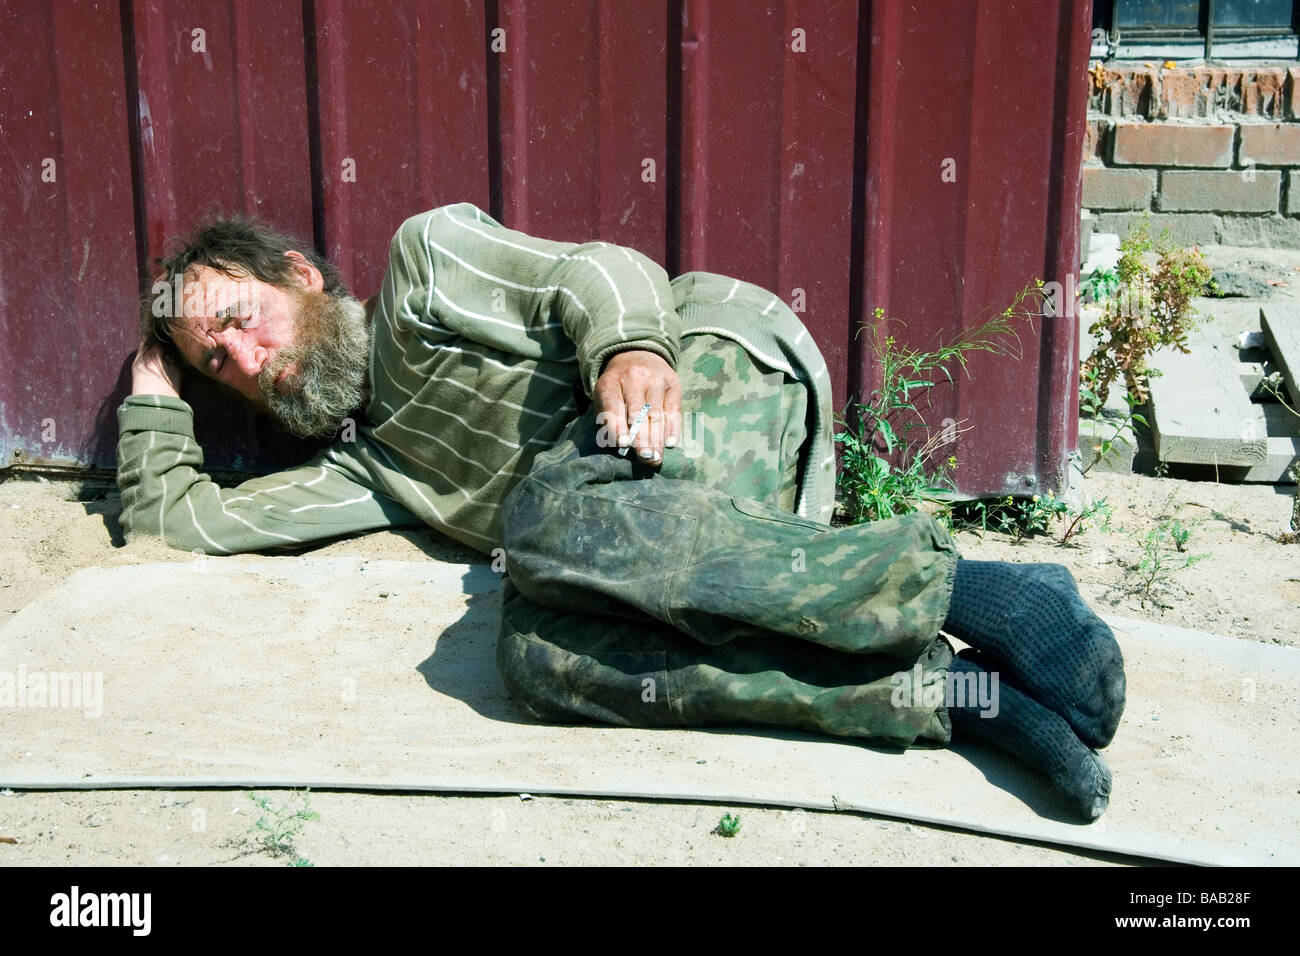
{"x": 154, "y": 373}
{"x": 630, "y": 380}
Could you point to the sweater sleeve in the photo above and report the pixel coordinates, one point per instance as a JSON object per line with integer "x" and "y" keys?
{"x": 466, "y": 274}
{"x": 165, "y": 495}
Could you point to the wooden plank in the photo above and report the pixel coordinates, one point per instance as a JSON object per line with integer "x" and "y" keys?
{"x": 1283, "y": 446}
{"x": 1200, "y": 414}
{"x": 1281, "y": 325}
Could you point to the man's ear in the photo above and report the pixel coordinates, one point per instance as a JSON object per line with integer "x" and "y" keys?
{"x": 304, "y": 273}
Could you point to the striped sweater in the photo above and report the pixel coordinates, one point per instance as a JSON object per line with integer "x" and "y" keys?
{"x": 481, "y": 336}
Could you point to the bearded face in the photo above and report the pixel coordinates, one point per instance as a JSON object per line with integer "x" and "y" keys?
{"x": 324, "y": 370}
{"x": 290, "y": 348}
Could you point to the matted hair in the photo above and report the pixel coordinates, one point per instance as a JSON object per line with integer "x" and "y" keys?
{"x": 231, "y": 244}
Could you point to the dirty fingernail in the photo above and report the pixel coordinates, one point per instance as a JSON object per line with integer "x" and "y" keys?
{"x": 646, "y": 453}
{"x": 670, "y": 441}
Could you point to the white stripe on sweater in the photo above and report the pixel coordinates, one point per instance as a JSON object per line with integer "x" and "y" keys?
{"x": 563, "y": 256}
{"x": 335, "y": 504}
{"x": 501, "y": 280}
{"x": 461, "y": 310}
{"x": 436, "y": 512}
{"x": 189, "y": 500}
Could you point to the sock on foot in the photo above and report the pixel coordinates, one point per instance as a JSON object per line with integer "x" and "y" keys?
{"x": 1032, "y": 620}
{"x": 1036, "y": 736}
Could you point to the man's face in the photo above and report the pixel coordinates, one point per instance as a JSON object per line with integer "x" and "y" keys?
{"x": 295, "y": 353}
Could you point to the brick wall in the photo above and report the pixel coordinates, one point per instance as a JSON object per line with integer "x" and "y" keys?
{"x": 1211, "y": 152}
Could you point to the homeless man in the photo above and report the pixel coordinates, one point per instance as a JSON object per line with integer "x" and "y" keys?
{"x": 492, "y": 388}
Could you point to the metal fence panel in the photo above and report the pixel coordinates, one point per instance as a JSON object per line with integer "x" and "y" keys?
{"x": 847, "y": 155}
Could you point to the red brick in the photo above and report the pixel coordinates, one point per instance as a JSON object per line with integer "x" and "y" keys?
{"x": 1182, "y": 94}
{"x": 1118, "y": 188}
{"x": 1269, "y": 144}
{"x": 1254, "y": 190}
{"x": 1130, "y": 92}
{"x": 1293, "y": 193}
{"x": 1169, "y": 144}
{"x": 1262, "y": 93}
{"x": 1196, "y": 92}
{"x": 1093, "y": 133}
{"x": 1293, "y": 93}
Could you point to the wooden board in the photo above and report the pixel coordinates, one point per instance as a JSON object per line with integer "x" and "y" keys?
{"x": 1200, "y": 414}
{"x": 1283, "y": 446}
{"x": 1281, "y": 325}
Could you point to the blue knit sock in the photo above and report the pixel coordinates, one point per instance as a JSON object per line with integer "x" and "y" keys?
{"x": 1036, "y": 736}
{"x": 1032, "y": 621}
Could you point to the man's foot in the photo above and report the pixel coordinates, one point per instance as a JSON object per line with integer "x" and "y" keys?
{"x": 1036, "y": 736}
{"x": 1031, "y": 619}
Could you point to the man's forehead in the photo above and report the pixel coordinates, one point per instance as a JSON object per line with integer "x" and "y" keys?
{"x": 212, "y": 294}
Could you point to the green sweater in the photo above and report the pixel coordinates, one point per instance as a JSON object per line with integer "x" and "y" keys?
{"x": 479, "y": 337}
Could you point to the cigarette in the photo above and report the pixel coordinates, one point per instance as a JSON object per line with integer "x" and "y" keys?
{"x": 636, "y": 427}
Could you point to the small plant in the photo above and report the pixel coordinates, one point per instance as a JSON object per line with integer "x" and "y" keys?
{"x": 728, "y": 826}
{"x": 276, "y": 829}
{"x": 1163, "y": 552}
{"x": 1101, "y": 285}
{"x": 1089, "y": 403}
{"x": 887, "y": 472}
{"x": 1024, "y": 517}
{"x": 1107, "y": 447}
{"x": 1152, "y": 310}
{"x": 1077, "y": 522}
{"x": 1017, "y": 517}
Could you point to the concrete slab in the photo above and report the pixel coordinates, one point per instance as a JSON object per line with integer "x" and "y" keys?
{"x": 258, "y": 671}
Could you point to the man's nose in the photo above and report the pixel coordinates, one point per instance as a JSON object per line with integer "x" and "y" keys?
{"x": 247, "y": 356}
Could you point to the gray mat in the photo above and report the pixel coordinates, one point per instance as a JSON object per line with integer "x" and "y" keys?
{"x": 337, "y": 672}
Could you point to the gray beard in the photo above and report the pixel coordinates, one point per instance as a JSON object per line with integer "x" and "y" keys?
{"x": 332, "y": 357}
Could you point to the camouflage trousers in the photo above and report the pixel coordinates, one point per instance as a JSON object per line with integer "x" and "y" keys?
{"x": 695, "y": 597}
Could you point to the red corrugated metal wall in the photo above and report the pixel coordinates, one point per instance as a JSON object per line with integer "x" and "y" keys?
{"x": 798, "y": 144}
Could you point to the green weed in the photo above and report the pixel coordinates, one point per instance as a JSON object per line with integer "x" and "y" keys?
{"x": 1022, "y": 517}
{"x": 1152, "y": 310}
{"x": 728, "y": 826}
{"x": 1090, "y": 407}
{"x": 1101, "y": 285}
{"x": 889, "y": 469}
{"x": 1162, "y": 552}
{"x": 276, "y": 829}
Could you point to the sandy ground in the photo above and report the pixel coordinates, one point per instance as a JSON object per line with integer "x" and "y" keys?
{"x": 1247, "y": 588}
